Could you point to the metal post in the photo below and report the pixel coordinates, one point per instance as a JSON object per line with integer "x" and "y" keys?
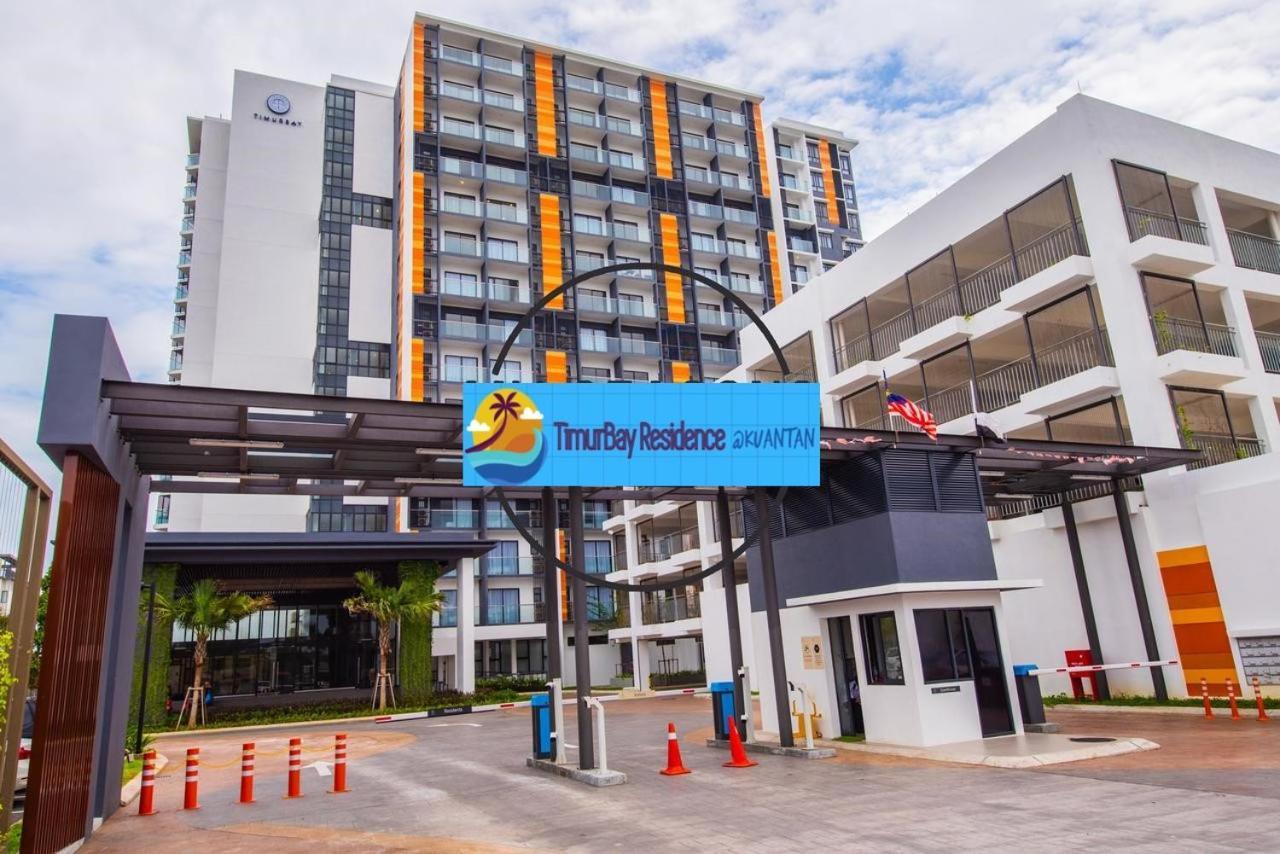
{"x": 748, "y": 718}
{"x": 551, "y": 584}
{"x": 1086, "y": 600}
{"x": 581, "y": 631}
{"x": 724, "y": 523}
{"x": 146, "y": 666}
{"x": 773, "y": 618}
{"x": 1139, "y": 589}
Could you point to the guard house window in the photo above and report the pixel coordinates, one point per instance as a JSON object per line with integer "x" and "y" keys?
{"x": 944, "y": 652}
{"x": 881, "y": 654}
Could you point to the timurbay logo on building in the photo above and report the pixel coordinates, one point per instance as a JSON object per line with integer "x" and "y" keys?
{"x": 694, "y": 434}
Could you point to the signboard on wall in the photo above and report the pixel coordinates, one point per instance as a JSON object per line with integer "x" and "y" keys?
{"x": 812, "y": 651}
{"x": 633, "y": 434}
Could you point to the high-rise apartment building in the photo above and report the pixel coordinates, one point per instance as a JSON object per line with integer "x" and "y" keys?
{"x": 366, "y": 240}
{"x": 817, "y": 204}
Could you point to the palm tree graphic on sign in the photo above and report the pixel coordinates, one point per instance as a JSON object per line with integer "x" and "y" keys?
{"x": 504, "y": 407}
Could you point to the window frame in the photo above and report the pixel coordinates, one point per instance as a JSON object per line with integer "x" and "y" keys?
{"x": 877, "y": 672}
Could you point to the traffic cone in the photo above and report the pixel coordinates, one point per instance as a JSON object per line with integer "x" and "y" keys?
{"x": 1204, "y": 693}
{"x": 147, "y": 798}
{"x": 1231, "y": 698}
{"x": 675, "y": 765}
{"x": 190, "y": 792}
{"x": 737, "y": 755}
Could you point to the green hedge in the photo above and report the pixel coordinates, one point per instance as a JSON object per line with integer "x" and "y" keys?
{"x": 1247, "y": 701}
{"x": 678, "y": 679}
{"x": 523, "y": 684}
{"x": 414, "y": 666}
{"x": 165, "y": 577}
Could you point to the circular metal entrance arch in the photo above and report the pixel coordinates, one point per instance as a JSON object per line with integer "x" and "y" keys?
{"x": 524, "y": 322}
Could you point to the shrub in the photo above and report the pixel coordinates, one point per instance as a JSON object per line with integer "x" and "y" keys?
{"x": 678, "y": 679}
{"x": 523, "y": 684}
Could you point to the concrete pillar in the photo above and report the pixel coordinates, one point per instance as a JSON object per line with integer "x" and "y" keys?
{"x": 465, "y": 668}
{"x": 640, "y": 664}
{"x": 515, "y": 667}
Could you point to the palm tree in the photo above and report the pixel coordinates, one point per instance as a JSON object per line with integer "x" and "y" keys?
{"x": 413, "y": 599}
{"x": 204, "y": 611}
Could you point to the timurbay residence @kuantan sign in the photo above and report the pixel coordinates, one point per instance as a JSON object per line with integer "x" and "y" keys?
{"x": 625, "y": 434}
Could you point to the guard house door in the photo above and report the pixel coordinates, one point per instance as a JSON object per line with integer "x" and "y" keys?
{"x": 989, "y": 682}
{"x": 845, "y": 671}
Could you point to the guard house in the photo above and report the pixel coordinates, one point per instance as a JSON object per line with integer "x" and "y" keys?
{"x": 887, "y": 584}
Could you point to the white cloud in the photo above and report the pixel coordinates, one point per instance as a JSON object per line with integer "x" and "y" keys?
{"x": 477, "y": 426}
{"x": 95, "y": 110}
{"x": 528, "y": 414}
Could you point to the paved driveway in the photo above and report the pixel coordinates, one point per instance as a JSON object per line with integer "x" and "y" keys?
{"x": 460, "y": 785}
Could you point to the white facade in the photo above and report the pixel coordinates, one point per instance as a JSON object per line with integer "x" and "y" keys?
{"x": 1145, "y": 249}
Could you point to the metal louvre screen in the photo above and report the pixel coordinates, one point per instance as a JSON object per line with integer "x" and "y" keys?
{"x": 806, "y": 509}
{"x": 956, "y": 476}
{"x": 857, "y": 488}
{"x": 908, "y": 480}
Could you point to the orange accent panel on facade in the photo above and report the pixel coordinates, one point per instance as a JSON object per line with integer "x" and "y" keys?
{"x": 671, "y": 255}
{"x": 775, "y": 271}
{"x": 1204, "y": 647}
{"x": 557, "y": 366}
{"x": 762, "y": 159}
{"x": 417, "y": 245}
{"x": 679, "y": 372}
{"x": 661, "y": 129}
{"x": 417, "y": 371}
{"x": 828, "y": 180}
{"x": 552, "y": 247}
{"x": 562, "y": 553}
{"x": 419, "y": 79}
{"x": 544, "y": 103}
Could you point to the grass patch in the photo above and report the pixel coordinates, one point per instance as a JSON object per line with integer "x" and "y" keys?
{"x": 220, "y": 719}
{"x": 132, "y": 768}
{"x": 13, "y": 839}
{"x": 851, "y": 739}
{"x": 1142, "y": 700}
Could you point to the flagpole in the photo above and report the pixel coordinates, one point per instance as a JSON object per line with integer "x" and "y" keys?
{"x": 973, "y": 401}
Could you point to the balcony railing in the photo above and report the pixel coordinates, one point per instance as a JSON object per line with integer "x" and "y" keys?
{"x": 496, "y": 518}
{"x": 801, "y": 245}
{"x": 605, "y": 193}
{"x": 495, "y": 251}
{"x": 507, "y": 565}
{"x": 1269, "y": 345}
{"x": 493, "y": 332}
{"x": 1254, "y": 252}
{"x": 189, "y": 191}
{"x": 735, "y": 527}
{"x": 193, "y": 160}
{"x": 670, "y": 609}
{"x": 666, "y": 545}
{"x": 503, "y": 100}
{"x": 767, "y": 375}
{"x": 489, "y": 171}
{"x": 1173, "y": 333}
{"x": 1143, "y": 222}
{"x": 719, "y": 355}
{"x": 1219, "y": 448}
{"x": 631, "y": 346}
{"x": 184, "y": 259}
{"x": 445, "y": 519}
{"x": 732, "y": 319}
{"x": 503, "y": 136}
{"x": 688, "y": 108}
{"x": 510, "y": 615}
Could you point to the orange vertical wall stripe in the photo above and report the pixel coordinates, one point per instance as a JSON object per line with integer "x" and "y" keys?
{"x": 761, "y": 157}
{"x": 417, "y": 370}
{"x": 671, "y": 255}
{"x": 552, "y": 247}
{"x": 661, "y": 129}
{"x": 562, "y": 552}
{"x": 828, "y": 180}
{"x": 544, "y": 102}
{"x": 419, "y": 79}
{"x": 557, "y": 362}
{"x": 417, "y": 243}
{"x": 679, "y": 372}
{"x": 775, "y": 271}
{"x": 1204, "y": 647}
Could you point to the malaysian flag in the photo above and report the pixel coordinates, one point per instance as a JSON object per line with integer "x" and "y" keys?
{"x": 913, "y": 414}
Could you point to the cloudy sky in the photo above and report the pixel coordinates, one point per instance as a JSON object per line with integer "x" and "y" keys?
{"x": 93, "y": 134}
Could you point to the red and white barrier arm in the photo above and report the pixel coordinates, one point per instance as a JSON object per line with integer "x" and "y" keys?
{"x": 522, "y": 704}
{"x": 1094, "y": 668}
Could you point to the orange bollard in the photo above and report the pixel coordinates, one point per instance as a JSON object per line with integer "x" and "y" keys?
{"x": 189, "y": 795}
{"x": 246, "y": 773}
{"x": 1204, "y": 692}
{"x": 147, "y": 797}
{"x": 1231, "y": 698}
{"x": 737, "y": 754}
{"x": 1257, "y": 695}
{"x": 295, "y": 768}
{"x": 675, "y": 764}
{"x": 339, "y": 763}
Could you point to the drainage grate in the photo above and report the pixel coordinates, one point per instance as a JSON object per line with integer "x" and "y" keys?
{"x": 1091, "y": 739}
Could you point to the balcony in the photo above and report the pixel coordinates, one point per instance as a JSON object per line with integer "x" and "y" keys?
{"x": 623, "y": 346}
{"x": 606, "y": 193}
{"x": 464, "y": 130}
{"x": 454, "y": 373}
{"x": 670, "y": 609}
{"x": 496, "y": 518}
{"x": 459, "y": 93}
{"x": 487, "y": 210}
{"x": 510, "y": 615}
{"x": 506, "y": 252}
{"x": 798, "y": 215}
{"x": 728, "y": 117}
{"x": 1143, "y": 223}
{"x": 720, "y": 355}
{"x": 689, "y": 108}
{"x": 1219, "y": 448}
{"x": 503, "y": 136}
{"x": 621, "y": 93}
{"x": 1254, "y": 251}
{"x": 503, "y": 65}
{"x": 578, "y": 83}
{"x": 188, "y": 225}
{"x": 616, "y": 230}
{"x": 459, "y": 286}
{"x": 468, "y": 247}
{"x": 1269, "y": 346}
{"x": 181, "y": 292}
{"x": 510, "y": 565}
{"x": 1163, "y": 243}
{"x": 503, "y": 101}
{"x": 790, "y": 182}
{"x": 799, "y": 244}
{"x": 193, "y": 161}
{"x": 175, "y": 361}
{"x": 483, "y": 332}
{"x": 445, "y": 519}
{"x": 188, "y": 192}
{"x": 184, "y": 259}
{"x": 724, "y": 319}
{"x": 460, "y": 55}
{"x": 664, "y": 546}
{"x": 1196, "y": 354}
{"x": 1177, "y": 334}
{"x": 483, "y": 171}
{"x": 179, "y": 327}
{"x": 610, "y": 306}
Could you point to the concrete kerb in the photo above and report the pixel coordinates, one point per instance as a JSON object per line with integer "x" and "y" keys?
{"x": 777, "y": 749}
{"x": 957, "y": 753}
{"x": 597, "y": 777}
{"x": 131, "y": 789}
{"x": 1150, "y": 710}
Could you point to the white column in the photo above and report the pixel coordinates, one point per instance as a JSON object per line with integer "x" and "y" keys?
{"x": 640, "y": 664}
{"x": 514, "y": 666}
{"x": 465, "y": 668}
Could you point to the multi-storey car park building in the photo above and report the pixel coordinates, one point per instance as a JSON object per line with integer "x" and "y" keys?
{"x": 1108, "y": 277}
{"x": 381, "y": 242}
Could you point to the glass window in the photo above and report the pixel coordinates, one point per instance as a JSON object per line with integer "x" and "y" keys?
{"x": 881, "y": 654}
{"x": 944, "y": 652}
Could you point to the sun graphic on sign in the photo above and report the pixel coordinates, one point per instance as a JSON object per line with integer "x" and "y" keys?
{"x": 506, "y": 446}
